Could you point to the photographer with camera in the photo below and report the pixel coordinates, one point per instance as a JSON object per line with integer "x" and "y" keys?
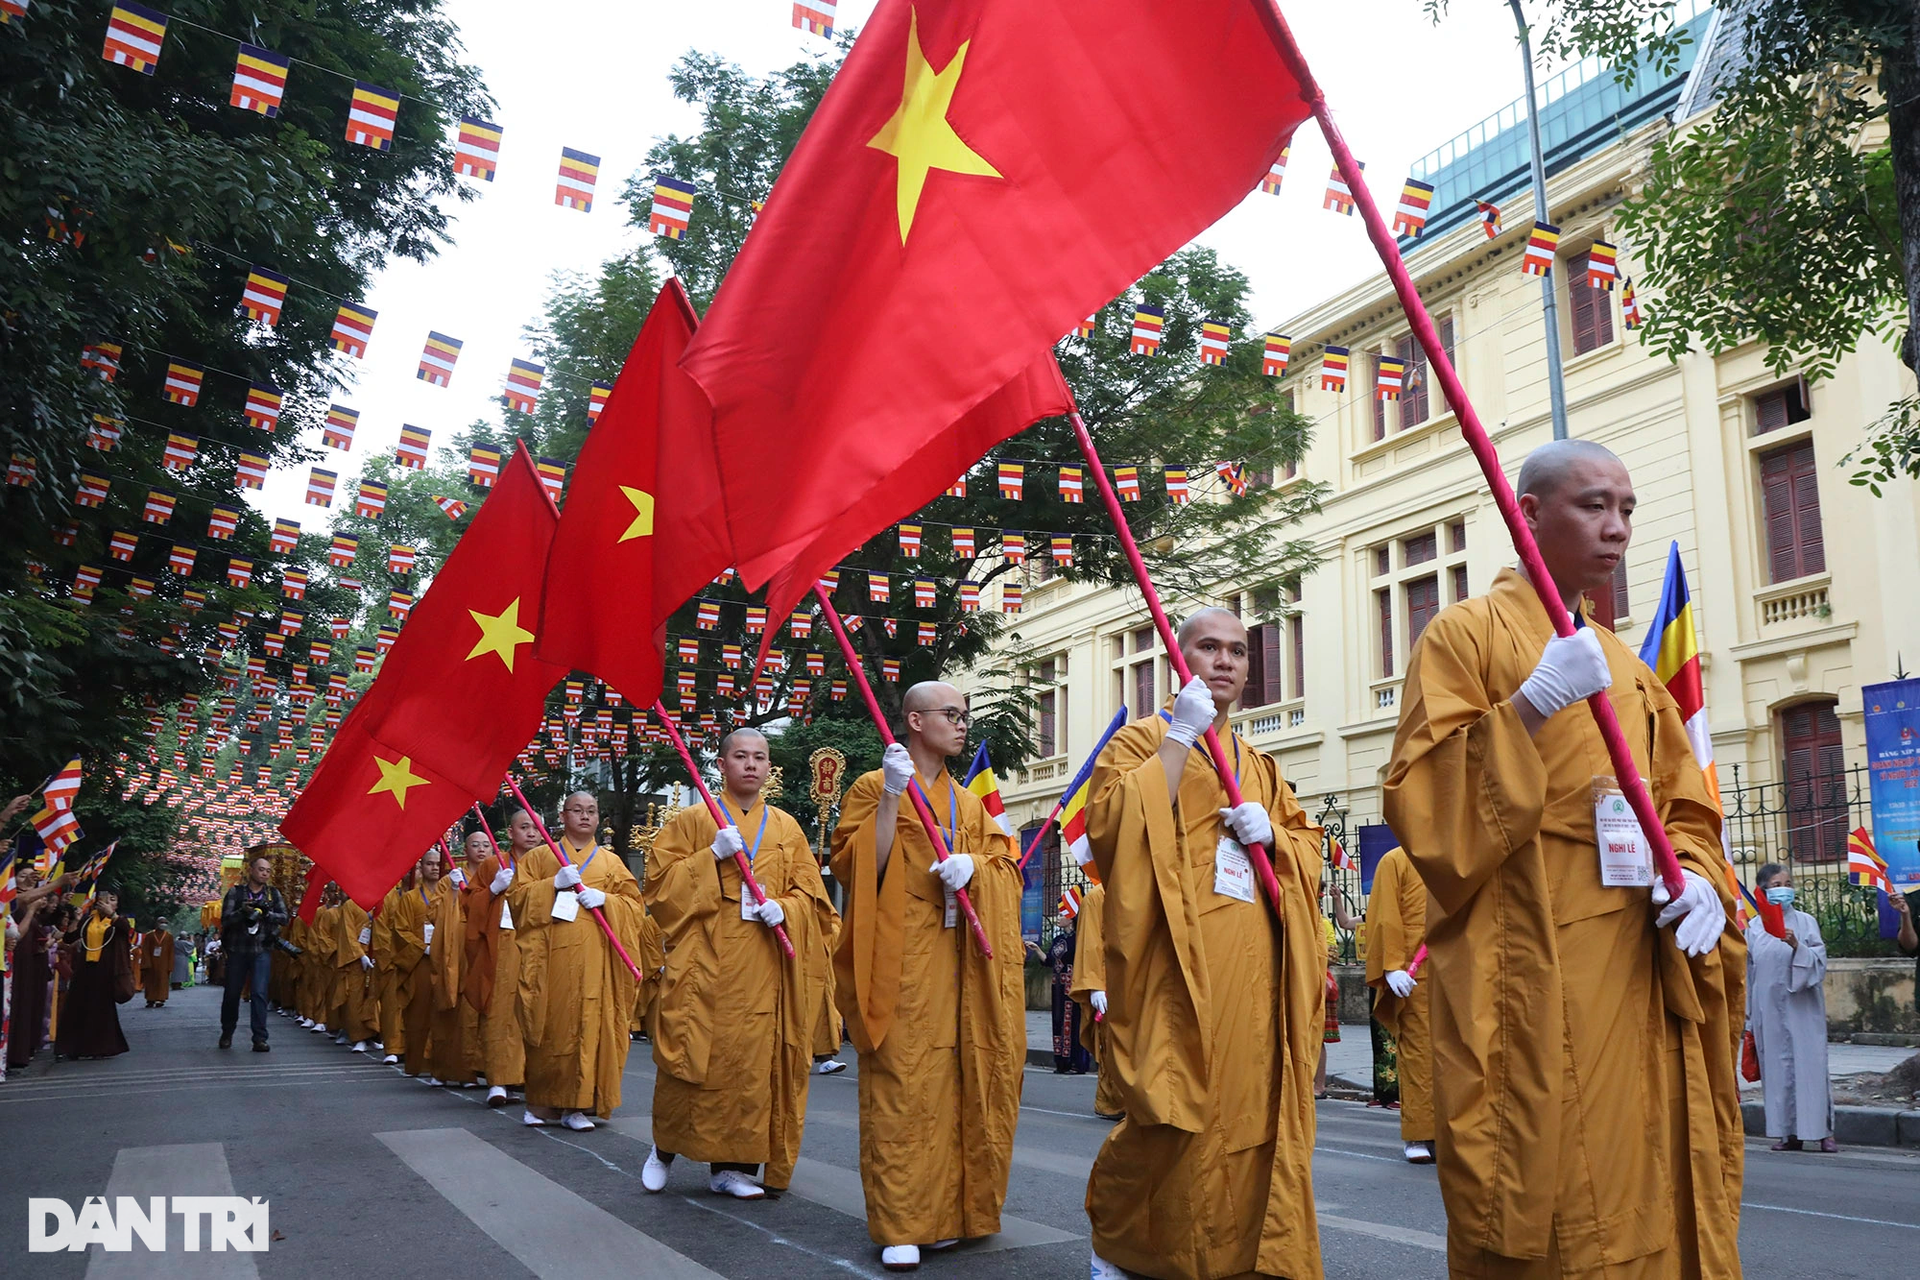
{"x": 250, "y": 920}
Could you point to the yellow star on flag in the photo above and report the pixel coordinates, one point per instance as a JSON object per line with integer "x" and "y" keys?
{"x": 396, "y": 776}
{"x": 919, "y": 135}
{"x": 500, "y": 633}
{"x": 642, "y": 502}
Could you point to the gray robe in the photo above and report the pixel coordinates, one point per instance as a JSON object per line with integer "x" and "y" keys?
{"x": 1787, "y": 1013}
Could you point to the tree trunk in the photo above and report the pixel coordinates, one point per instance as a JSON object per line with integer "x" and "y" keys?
{"x": 1901, "y": 79}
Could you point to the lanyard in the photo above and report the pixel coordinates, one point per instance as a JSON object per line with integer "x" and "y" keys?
{"x": 953, "y": 809}
{"x": 1168, "y": 717}
{"x": 568, "y": 846}
{"x": 758, "y": 835}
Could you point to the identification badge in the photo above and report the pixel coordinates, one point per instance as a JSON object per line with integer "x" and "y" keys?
{"x": 506, "y": 915}
{"x": 1232, "y": 870}
{"x": 747, "y": 904}
{"x": 952, "y": 916}
{"x": 1625, "y": 860}
{"x": 566, "y": 905}
{"x": 429, "y": 935}
{"x": 366, "y": 935}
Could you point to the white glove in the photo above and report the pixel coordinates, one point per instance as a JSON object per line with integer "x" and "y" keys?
{"x": 1098, "y": 999}
{"x": 1193, "y": 711}
{"x": 955, "y": 871}
{"x": 1571, "y": 669}
{"x": 770, "y": 913}
{"x": 501, "y": 880}
{"x": 590, "y": 897}
{"x": 896, "y": 768}
{"x": 1698, "y": 909}
{"x": 566, "y": 877}
{"x": 1401, "y": 983}
{"x": 728, "y": 842}
{"x": 366, "y": 962}
{"x": 1249, "y": 823}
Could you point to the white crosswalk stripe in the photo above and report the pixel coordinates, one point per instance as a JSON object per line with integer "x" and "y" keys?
{"x": 181, "y": 1169}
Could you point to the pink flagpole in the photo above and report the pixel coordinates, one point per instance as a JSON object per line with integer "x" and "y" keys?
{"x": 1419, "y": 958}
{"x": 927, "y": 819}
{"x": 1624, "y": 769}
{"x": 481, "y": 815}
{"x": 1040, "y": 835}
{"x": 719, "y": 819}
{"x": 561, "y": 854}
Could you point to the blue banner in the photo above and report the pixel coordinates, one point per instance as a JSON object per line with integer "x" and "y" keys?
{"x": 1033, "y": 884}
{"x": 1893, "y": 773}
{"x": 1375, "y": 839}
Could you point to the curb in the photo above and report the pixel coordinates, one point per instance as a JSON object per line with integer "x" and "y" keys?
{"x": 1852, "y": 1126}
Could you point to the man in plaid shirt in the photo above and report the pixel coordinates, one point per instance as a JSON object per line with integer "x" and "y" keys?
{"x": 250, "y": 918}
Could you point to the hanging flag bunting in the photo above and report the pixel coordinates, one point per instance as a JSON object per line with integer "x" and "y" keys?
{"x": 672, "y": 207}
{"x": 1011, "y": 596}
{"x": 193, "y": 597}
{"x": 476, "y": 151}
{"x": 1541, "y": 247}
{"x": 578, "y": 172}
{"x": 688, "y": 649}
{"x": 815, "y": 16}
{"x": 93, "y": 490}
{"x": 134, "y": 36}
{"x": 250, "y": 471}
{"x": 1603, "y": 266}
{"x": 399, "y": 605}
{"x": 9, "y": 10}
{"x": 400, "y": 558}
{"x": 411, "y": 453}
{"x": 730, "y": 655}
{"x": 1235, "y": 476}
{"x": 363, "y": 659}
{"x": 879, "y": 588}
{"x": 969, "y": 597}
{"x": 1013, "y": 546}
{"x": 320, "y": 483}
{"x": 370, "y": 119}
{"x": 352, "y": 327}
{"x": 1489, "y": 217}
{"x": 800, "y": 625}
{"x": 1126, "y": 481}
{"x": 436, "y": 362}
{"x": 222, "y": 523}
{"x": 121, "y": 545}
{"x": 21, "y": 470}
{"x": 553, "y": 476}
{"x": 180, "y": 560}
{"x": 1214, "y": 338}
{"x": 105, "y": 432}
{"x": 1271, "y": 183}
{"x": 923, "y": 593}
{"x": 963, "y": 544}
{"x": 1072, "y": 484}
{"x": 1629, "y": 304}
{"x": 286, "y": 534}
{"x": 958, "y": 489}
{"x": 259, "y": 80}
{"x": 483, "y": 465}
{"x": 1062, "y": 550}
{"x": 1416, "y": 197}
{"x": 345, "y": 546}
{"x": 372, "y": 500}
{"x": 101, "y": 357}
{"x": 159, "y": 508}
{"x": 384, "y": 638}
{"x": 342, "y": 422}
{"x": 183, "y": 383}
{"x": 264, "y": 296}
{"x": 523, "y": 385}
{"x": 890, "y": 670}
{"x": 1012, "y": 479}
{"x": 1273, "y": 361}
{"x": 1390, "y": 378}
{"x": 597, "y": 400}
{"x": 293, "y": 586}
{"x": 910, "y": 541}
{"x": 1333, "y": 369}
{"x": 756, "y": 619}
{"x": 707, "y": 616}
{"x": 263, "y": 405}
{"x": 1148, "y": 322}
{"x": 179, "y": 452}
{"x": 453, "y": 507}
{"x": 926, "y": 633}
{"x": 1339, "y": 197}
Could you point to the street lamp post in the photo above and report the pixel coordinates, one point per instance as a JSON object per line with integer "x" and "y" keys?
{"x": 1556, "y": 387}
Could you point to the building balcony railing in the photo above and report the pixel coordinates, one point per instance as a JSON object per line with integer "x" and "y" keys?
{"x": 1799, "y": 605}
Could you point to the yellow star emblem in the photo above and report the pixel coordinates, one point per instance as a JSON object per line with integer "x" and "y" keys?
{"x": 919, "y": 135}
{"x": 396, "y": 776}
{"x": 642, "y": 513}
{"x": 500, "y": 633}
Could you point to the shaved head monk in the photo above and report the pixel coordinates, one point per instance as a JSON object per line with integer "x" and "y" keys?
{"x": 358, "y": 1003}
{"x": 156, "y": 963}
{"x": 1214, "y": 1004}
{"x": 1584, "y": 1026}
{"x": 491, "y": 981}
{"x": 939, "y": 1026}
{"x": 393, "y": 958}
{"x": 733, "y": 1035}
{"x": 420, "y": 920}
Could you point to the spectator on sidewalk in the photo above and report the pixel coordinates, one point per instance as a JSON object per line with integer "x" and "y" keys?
{"x": 1907, "y": 939}
{"x": 1787, "y": 1014}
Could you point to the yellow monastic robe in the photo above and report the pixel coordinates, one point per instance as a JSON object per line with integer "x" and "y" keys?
{"x": 826, "y": 1016}
{"x": 1089, "y": 976}
{"x": 413, "y": 912}
{"x": 733, "y": 1033}
{"x": 1396, "y": 926}
{"x": 138, "y": 963}
{"x": 490, "y": 981}
{"x": 156, "y": 954}
{"x": 355, "y": 1009}
{"x": 1588, "y": 1113}
{"x": 389, "y": 976}
{"x": 1214, "y": 1016}
{"x": 321, "y": 975}
{"x": 576, "y": 996}
{"x": 940, "y": 1028}
{"x": 455, "y": 1055}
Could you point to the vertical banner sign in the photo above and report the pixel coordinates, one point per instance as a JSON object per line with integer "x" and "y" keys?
{"x": 1893, "y": 774}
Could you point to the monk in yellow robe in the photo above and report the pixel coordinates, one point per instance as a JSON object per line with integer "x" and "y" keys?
{"x": 1396, "y": 926}
{"x": 413, "y": 943}
{"x": 356, "y": 1009}
{"x": 826, "y": 1014}
{"x": 491, "y": 980}
{"x": 322, "y": 975}
{"x": 1214, "y": 1000}
{"x": 939, "y": 1026}
{"x": 733, "y": 1035}
{"x": 156, "y": 956}
{"x": 1090, "y": 989}
{"x": 576, "y": 994}
{"x": 389, "y": 975}
{"x": 1587, "y": 1110}
{"x": 454, "y": 1059}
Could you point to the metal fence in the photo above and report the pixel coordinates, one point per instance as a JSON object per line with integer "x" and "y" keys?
{"x": 1802, "y": 824}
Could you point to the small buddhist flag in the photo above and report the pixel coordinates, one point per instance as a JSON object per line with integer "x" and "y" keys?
{"x": 1085, "y": 328}
{"x": 1273, "y": 361}
{"x": 815, "y": 16}
{"x": 1214, "y": 337}
{"x": 1062, "y": 550}
{"x": 597, "y": 400}
{"x": 222, "y": 523}
{"x": 293, "y": 586}
{"x": 383, "y": 639}
{"x": 180, "y": 559}
{"x": 101, "y": 357}
{"x": 923, "y": 593}
{"x": 1541, "y": 247}
{"x": 1865, "y": 866}
{"x": 1011, "y": 596}
{"x": 553, "y": 476}
{"x": 93, "y": 490}
{"x": 1072, "y": 484}
{"x": 756, "y": 619}
{"x": 263, "y": 405}
{"x": 320, "y": 484}
{"x": 963, "y": 544}
{"x": 969, "y": 597}
{"x": 259, "y": 80}
{"x": 730, "y": 655}
{"x": 250, "y": 471}
{"x": 1013, "y": 477}
{"x": 179, "y": 452}
{"x": 1235, "y": 476}
{"x": 1148, "y": 323}
{"x": 371, "y": 116}
{"x": 21, "y": 469}
{"x": 363, "y": 659}
{"x": 910, "y": 541}
{"x": 1416, "y": 197}
{"x": 800, "y": 625}
{"x": 9, "y": 10}
{"x": 400, "y": 558}
{"x": 879, "y": 588}
{"x": 372, "y": 499}
{"x": 1390, "y": 378}
{"x": 1126, "y": 480}
{"x": 1339, "y": 197}
{"x": 523, "y": 385}
{"x": 264, "y": 296}
{"x": 286, "y": 534}
{"x": 483, "y": 465}
{"x": 476, "y": 151}
{"x": 412, "y": 450}
{"x": 345, "y": 546}
{"x": 1603, "y": 266}
{"x": 452, "y": 507}
{"x": 1333, "y": 369}
{"x": 578, "y": 172}
{"x": 890, "y": 670}
{"x": 437, "y": 360}
{"x": 1013, "y": 546}
{"x": 1629, "y": 304}
{"x": 159, "y": 508}
{"x": 672, "y": 209}
{"x": 1271, "y": 183}
{"x": 342, "y": 422}
{"x": 105, "y": 432}
{"x": 134, "y": 36}
{"x": 399, "y": 605}
{"x": 352, "y": 327}
{"x": 707, "y": 615}
{"x": 1489, "y": 217}
{"x": 183, "y": 383}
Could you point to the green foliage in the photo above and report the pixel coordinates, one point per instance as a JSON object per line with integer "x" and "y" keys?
{"x": 843, "y": 727}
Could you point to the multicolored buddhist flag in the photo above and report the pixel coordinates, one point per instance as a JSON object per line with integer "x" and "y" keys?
{"x": 183, "y": 383}
{"x": 707, "y": 615}
{"x": 1011, "y": 596}
{"x": 1271, "y": 183}
{"x": 293, "y": 586}
{"x": 1072, "y": 484}
{"x": 437, "y": 360}
{"x": 963, "y": 544}
{"x": 553, "y": 476}
{"x": 476, "y": 151}
{"x": 121, "y": 545}
{"x": 672, "y": 210}
{"x": 352, "y": 327}
{"x": 1013, "y": 479}
{"x": 21, "y": 469}
{"x": 1062, "y": 549}
{"x": 341, "y": 423}
{"x": 1215, "y": 335}
{"x": 134, "y": 36}
{"x": 265, "y": 296}
{"x": 9, "y": 10}
{"x": 1339, "y": 197}
{"x": 1148, "y": 324}
{"x": 285, "y": 536}
{"x": 910, "y": 535}
{"x": 597, "y": 396}
{"x": 179, "y": 451}
{"x": 1333, "y": 369}
{"x": 1542, "y": 245}
{"x": 1629, "y": 304}
{"x": 578, "y": 173}
{"x": 879, "y": 588}
{"x": 250, "y": 471}
{"x": 159, "y": 506}
{"x": 399, "y": 605}
{"x": 1390, "y": 377}
{"x": 345, "y": 547}
{"x": 180, "y": 559}
{"x": 372, "y": 499}
{"x": 259, "y": 80}
{"x": 93, "y": 490}
{"x": 222, "y": 523}
{"x": 1410, "y": 218}
{"x": 1489, "y": 217}
{"x": 815, "y": 16}
{"x": 483, "y": 465}
{"x": 320, "y": 485}
{"x": 263, "y": 405}
{"x": 452, "y": 508}
{"x": 1236, "y": 477}
{"x": 523, "y": 385}
{"x": 1086, "y": 328}
{"x": 371, "y": 116}
{"x": 411, "y": 453}
{"x": 101, "y": 357}
{"x": 1865, "y": 866}
{"x": 1603, "y": 266}
{"x": 400, "y": 558}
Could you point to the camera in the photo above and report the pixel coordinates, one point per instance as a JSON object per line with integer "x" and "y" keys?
{"x": 281, "y": 944}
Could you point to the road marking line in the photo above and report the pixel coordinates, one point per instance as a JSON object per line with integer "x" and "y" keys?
{"x": 552, "y": 1231}
{"x": 1838, "y": 1217}
{"x": 1383, "y": 1231}
{"x": 181, "y": 1169}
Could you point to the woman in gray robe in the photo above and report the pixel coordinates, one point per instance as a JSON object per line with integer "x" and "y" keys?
{"x": 1787, "y": 1014}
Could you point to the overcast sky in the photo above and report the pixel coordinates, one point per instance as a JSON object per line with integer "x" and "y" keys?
{"x": 592, "y": 75}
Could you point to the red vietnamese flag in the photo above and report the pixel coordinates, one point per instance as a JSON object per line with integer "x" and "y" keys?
{"x": 980, "y": 176}
{"x": 621, "y": 527}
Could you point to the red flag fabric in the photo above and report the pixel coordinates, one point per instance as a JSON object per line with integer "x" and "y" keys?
{"x": 310, "y": 900}
{"x": 980, "y": 176}
{"x": 644, "y": 528}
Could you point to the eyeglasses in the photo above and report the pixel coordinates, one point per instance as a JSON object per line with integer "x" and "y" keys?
{"x": 957, "y": 716}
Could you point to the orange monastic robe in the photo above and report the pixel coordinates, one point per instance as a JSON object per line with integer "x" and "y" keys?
{"x": 355, "y": 1010}
{"x": 1089, "y": 976}
{"x": 455, "y": 1055}
{"x": 1396, "y": 926}
{"x": 389, "y": 973}
{"x": 412, "y": 913}
{"x": 492, "y": 978}
{"x": 156, "y": 958}
{"x": 1588, "y": 1114}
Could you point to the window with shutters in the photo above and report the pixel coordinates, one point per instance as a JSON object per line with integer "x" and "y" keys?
{"x": 1459, "y": 573}
{"x": 1413, "y": 400}
{"x": 1590, "y": 310}
{"x": 1790, "y": 509}
{"x": 1423, "y": 602}
{"x": 1045, "y": 734}
{"x": 1406, "y": 599}
{"x": 1134, "y": 657}
{"x": 1385, "y": 605}
{"x": 1608, "y": 606}
{"x": 1814, "y": 767}
{"x": 1419, "y": 549}
{"x": 1780, "y": 407}
{"x": 1143, "y": 700}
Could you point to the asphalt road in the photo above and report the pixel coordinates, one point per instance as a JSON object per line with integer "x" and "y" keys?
{"x": 366, "y": 1170}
